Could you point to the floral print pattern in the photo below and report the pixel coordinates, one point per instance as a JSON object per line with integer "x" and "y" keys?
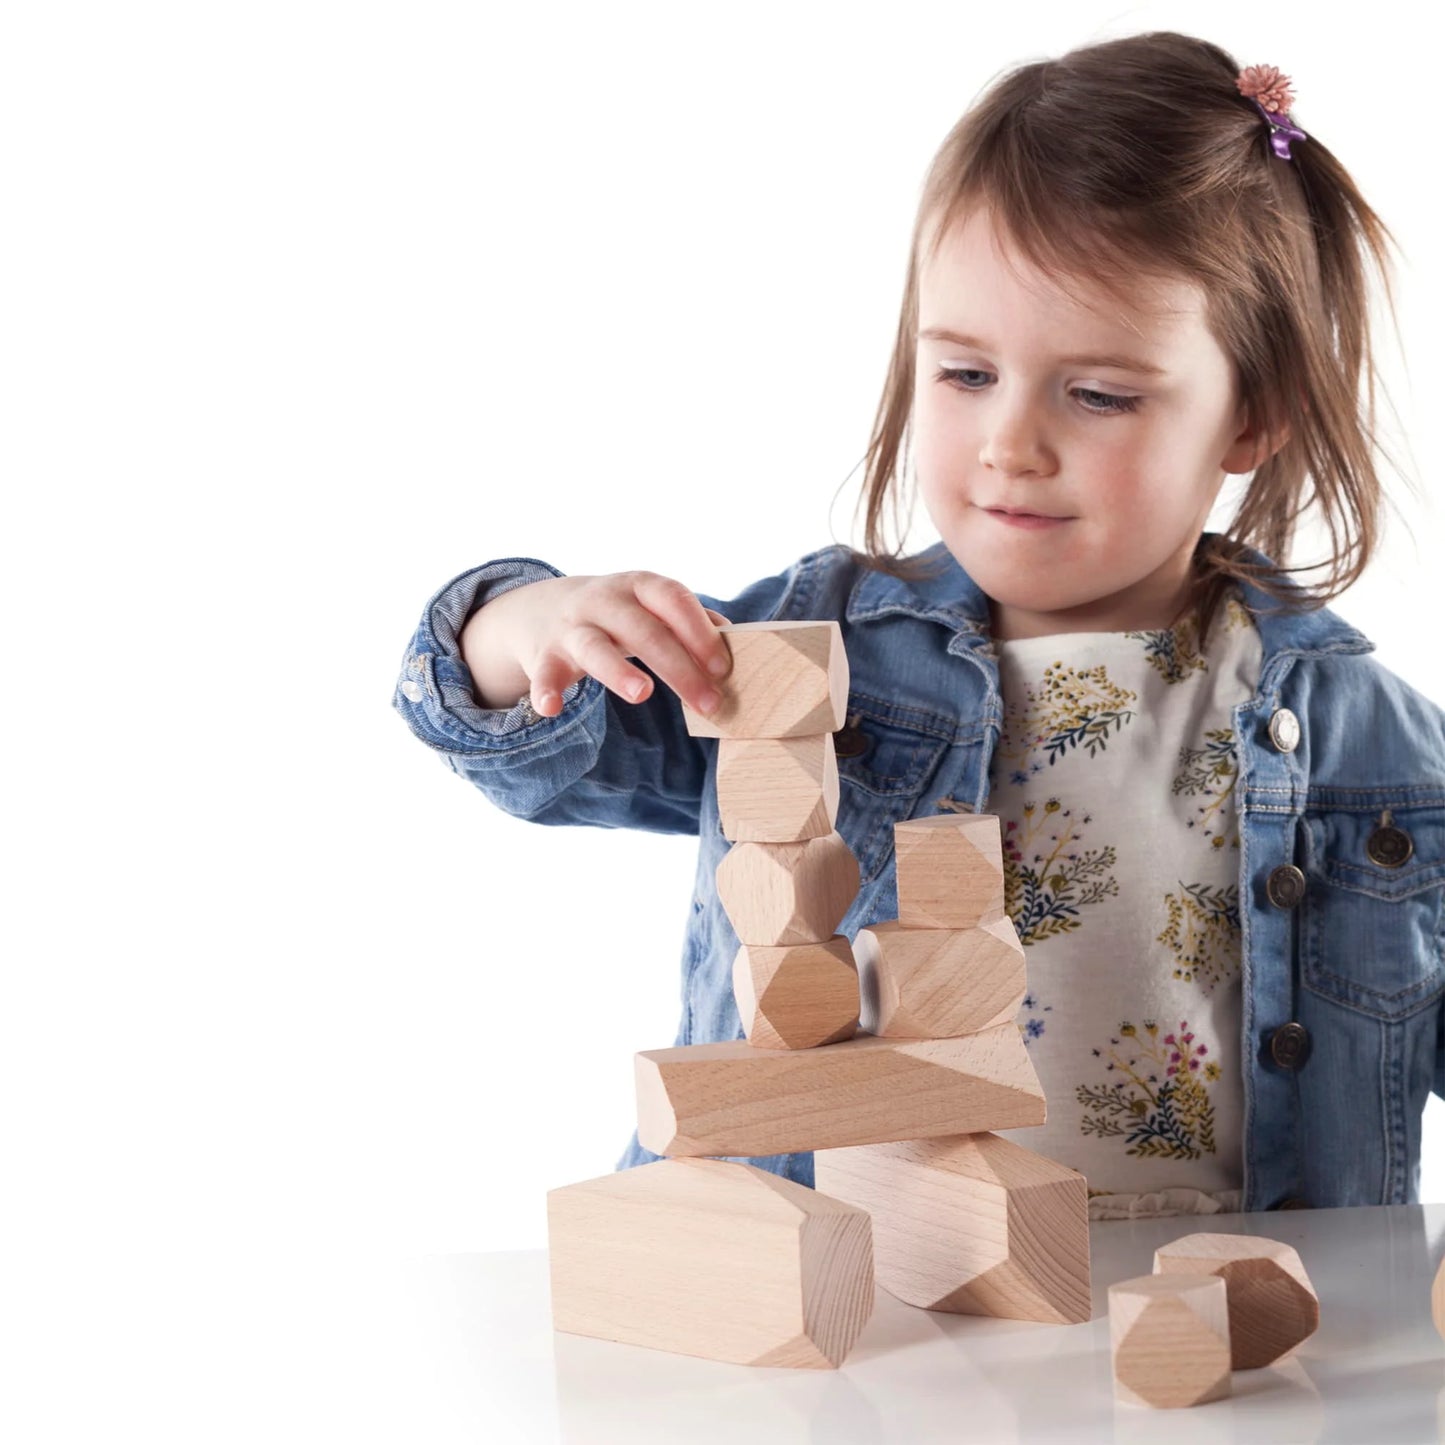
{"x": 1203, "y": 932}
{"x": 1212, "y": 770}
{"x": 1047, "y": 881}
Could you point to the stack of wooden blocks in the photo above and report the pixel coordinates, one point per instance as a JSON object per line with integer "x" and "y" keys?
{"x": 710, "y": 1256}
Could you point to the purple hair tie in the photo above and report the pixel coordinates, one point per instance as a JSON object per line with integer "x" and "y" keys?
{"x": 1269, "y": 91}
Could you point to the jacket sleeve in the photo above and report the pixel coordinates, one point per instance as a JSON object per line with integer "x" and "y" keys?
{"x": 600, "y": 761}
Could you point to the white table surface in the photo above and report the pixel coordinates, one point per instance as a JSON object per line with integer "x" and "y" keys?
{"x": 493, "y": 1370}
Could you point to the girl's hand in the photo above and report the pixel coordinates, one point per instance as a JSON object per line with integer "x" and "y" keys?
{"x": 545, "y": 635}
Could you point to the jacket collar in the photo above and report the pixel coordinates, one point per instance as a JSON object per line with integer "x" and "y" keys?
{"x": 953, "y": 598}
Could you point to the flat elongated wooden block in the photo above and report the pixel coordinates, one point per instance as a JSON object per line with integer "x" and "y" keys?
{"x": 1170, "y": 1339}
{"x": 971, "y": 1224}
{"x": 777, "y": 893}
{"x": 1272, "y": 1304}
{"x": 800, "y": 996}
{"x": 950, "y": 870}
{"x": 777, "y": 790}
{"x": 788, "y": 680}
{"x": 734, "y": 1098}
{"x": 714, "y": 1258}
{"x": 936, "y": 983}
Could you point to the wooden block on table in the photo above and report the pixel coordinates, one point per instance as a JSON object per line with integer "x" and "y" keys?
{"x": 935, "y": 983}
{"x": 972, "y": 1224}
{"x": 1170, "y": 1339}
{"x": 776, "y": 893}
{"x": 1272, "y": 1304}
{"x": 788, "y": 680}
{"x": 799, "y": 996}
{"x": 735, "y": 1098}
{"x": 950, "y": 870}
{"x": 713, "y": 1258}
{"x": 777, "y": 790}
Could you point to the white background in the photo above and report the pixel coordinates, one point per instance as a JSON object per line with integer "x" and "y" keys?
{"x": 309, "y": 307}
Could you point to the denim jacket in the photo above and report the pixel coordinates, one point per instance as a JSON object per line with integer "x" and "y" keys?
{"x": 1343, "y": 977}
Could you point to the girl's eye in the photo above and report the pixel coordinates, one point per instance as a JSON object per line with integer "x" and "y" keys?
{"x": 1102, "y": 403}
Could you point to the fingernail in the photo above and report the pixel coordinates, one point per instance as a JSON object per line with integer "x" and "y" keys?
{"x": 718, "y": 666}
{"x": 634, "y": 688}
{"x": 708, "y": 701}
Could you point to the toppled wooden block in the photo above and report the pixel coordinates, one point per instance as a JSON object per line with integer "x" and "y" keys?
{"x": 734, "y": 1098}
{"x": 972, "y": 1224}
{"x": 1170, "y": 1339}
{"x": 777, "y": 790}
{"x": 788, "y": 680}
{"x": 1272, "y": 1304}
{"x": 935, "y": 983}
{"x": 713, "y": 1258}
{"x": 950, "y": 870}
{"x": 799, "y": 996}
{"x": 776, "y": 893}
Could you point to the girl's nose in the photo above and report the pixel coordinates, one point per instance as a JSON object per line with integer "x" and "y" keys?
{"x": 1014, "y": 442}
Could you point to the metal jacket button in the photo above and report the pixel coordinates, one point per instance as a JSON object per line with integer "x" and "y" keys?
{"x": 850, "y": 742}
{"x": 1388, "y": 845}
{"x": 1284, "y": 730}
{"x": 1285, "y": 886}
{"x": 1289, "y": 1045}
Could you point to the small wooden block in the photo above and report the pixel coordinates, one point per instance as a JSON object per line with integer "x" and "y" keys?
{"x": 777, "y": 790}
{"x": 799, "y": 996}
{"x": 1170, "y": 1339}
{"x": 788, "y": 680}
{"x": 972, "y": 1224}
{"x": 734, "y": 1098}
{"x": 713, "y": 1258}
{"x": 936, "y": 983}
{"x": 950, "y": 870}
{"x": 1272, "y": 1304}
{"x": 776, "y": 893}
{"x": 1437, "y": 1299}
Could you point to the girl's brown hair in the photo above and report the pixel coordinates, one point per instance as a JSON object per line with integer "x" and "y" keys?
{"x": 1140, "y": 155}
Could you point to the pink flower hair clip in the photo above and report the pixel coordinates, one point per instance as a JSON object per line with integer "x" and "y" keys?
{"x": 1269, "y": 91}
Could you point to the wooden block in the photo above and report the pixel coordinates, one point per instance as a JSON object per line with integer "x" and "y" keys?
{"x": 972, "y": 1224}
{"x": 734, "y": 1098}
{"x": 788, "y": 680}
{"x": 777, "y": 790}
{"x": 1170, "y": 1339}
{"x": 936, "y": 983}
{"x": 950, "y": 870}
{"x": 713, "y": 1258}
{"x": 799, "y": 996}
{"x": 1272, "y": 1304}
{"x": 1437, "y": 1299}
{"x": 776, "y": 893}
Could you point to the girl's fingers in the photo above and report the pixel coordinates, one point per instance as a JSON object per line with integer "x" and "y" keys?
{"x": 685, "y": 616}
{"x": 596, "y": 652}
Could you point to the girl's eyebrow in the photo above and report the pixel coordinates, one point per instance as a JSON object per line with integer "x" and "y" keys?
{"x": 1122, "y": 363}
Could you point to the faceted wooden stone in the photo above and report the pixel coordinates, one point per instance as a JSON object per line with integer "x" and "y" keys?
{"x": 777, "y": 893}
{"x": 950, "y": 870}
{"x": 1170, "y": 1339}
{"x": 777, "y": 790}
{"x": 798, "y": 996}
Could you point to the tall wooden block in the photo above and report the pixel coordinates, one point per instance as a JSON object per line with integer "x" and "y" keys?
{"x": 788, "y": 680}
{"x": 950, "y": 870}
{"x": 1272, "y": 1304}
{"x": 713, "y": 1258}
{"x": 1170, "y": 1339}
{"x": 777, "y": 790}
{"x": 776, "y": 893}
{"x": 935, "y": 983}
{"x": 735, "y": 1098}
{"x": 799, "y": 996}
{"x": 972, "y": 1224}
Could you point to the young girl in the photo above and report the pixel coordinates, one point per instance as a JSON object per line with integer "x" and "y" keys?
{"x": 1224, "y": 823}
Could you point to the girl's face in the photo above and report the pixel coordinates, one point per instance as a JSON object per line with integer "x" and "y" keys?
{"x": 1118, "y": 425}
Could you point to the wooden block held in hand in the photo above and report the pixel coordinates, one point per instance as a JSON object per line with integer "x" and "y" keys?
{"x": 950, "y": 870}
{"x": 936, "y": 983}
{"x": 788, "y": 680}
{"x": 1272, "y": 1304}
{"x": 972, "y": 1224}
{"x": 776, "y": 893}
{"x": 799, "y": 996}
{"x": 1170, "y": 1339}
{"x": 735, "y": 1098}
{"x": 777, "y": 790}
{"x": 713, "y": 1258}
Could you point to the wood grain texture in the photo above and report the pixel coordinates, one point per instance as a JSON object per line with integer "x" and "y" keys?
{"x": 777, "y": 790}
{"x": 734, "y": 1098}
{"x": 936, "y": 983}
{"x": 950, "y": 870}
{"x": 1272, "y": 1304}
{"x": 1170, "y": 1340}
{"x": 800, "y": 996}
{"x": 777, "y": 893}
{"x": 714, "y": 1258}
{"x": 788, "y": 680}
{"x": 971, "y": 1224}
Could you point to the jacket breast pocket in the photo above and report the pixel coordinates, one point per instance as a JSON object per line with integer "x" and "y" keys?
{"x": 1372, "y": 929}
{"x": 883, "y": 766}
